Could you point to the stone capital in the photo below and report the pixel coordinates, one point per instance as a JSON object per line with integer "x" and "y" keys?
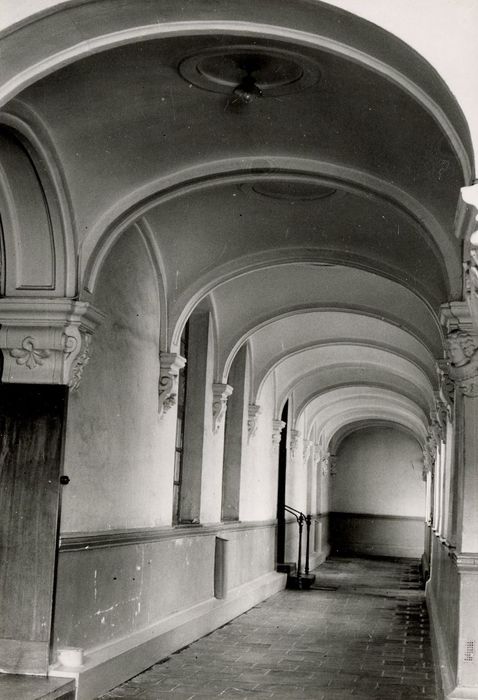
{"x": 277, "y": 428}
{"x": 46, "y": 341}
{"x": 170, "y": 364}
{"x": 220, "y": 394}
{"x": 252, "y": 418}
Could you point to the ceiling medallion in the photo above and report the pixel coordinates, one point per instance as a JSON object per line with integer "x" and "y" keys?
{"x": 291, "y": 190}
{"x": 272, "y": 71}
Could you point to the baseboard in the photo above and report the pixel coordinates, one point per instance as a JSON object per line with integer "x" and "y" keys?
{"x": 463, "y": 693}
{"x": 110, "y": 665}
{"x": 318, "y": 558}
{"x": 443, "y": 667}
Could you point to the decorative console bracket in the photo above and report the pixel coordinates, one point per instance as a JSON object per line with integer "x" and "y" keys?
{"x": 220, "y": 394}
{"x": 252, "y": 418}
{"x": 170, "y": 364}
{"x": 277, "y": 428}
{"x": 294, "y": 442}
{"x": 46, "y": 341}
{"x": 462, "y": 350}
{"x": 307, "y": 448}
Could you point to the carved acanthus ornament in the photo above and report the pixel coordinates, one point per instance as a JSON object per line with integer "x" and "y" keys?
{"x": 170, "y": 364}
{"x": 277, "y": 428}
{"x": 252, "y": 418}
{"x": 220, "y": 394}
{"x": 46, "y": 341}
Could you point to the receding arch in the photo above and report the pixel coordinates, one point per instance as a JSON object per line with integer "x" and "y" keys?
{"x": 250, "y": 168}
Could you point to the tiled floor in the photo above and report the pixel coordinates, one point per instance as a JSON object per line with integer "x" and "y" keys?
{"x": 361, "y": 632}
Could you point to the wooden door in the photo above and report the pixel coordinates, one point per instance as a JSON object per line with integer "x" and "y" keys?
{"x": 31, "y": 450}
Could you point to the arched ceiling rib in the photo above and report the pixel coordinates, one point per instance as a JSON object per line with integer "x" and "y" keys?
{"x": 343, "y": 433}
{"x": 158, "y": 123}
{"x": 276, "y": 306}
{"x": 290, "y": 370}
{"x": 347, "y": 405}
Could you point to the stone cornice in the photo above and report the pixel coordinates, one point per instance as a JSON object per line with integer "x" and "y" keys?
{"x": 46, "y": 341}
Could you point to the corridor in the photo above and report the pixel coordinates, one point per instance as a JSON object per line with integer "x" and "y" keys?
{"x": 361, "y": 632}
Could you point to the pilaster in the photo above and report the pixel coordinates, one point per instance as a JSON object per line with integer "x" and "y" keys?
{"x": 46, "y": 341}
{"x": 462, "y": 351}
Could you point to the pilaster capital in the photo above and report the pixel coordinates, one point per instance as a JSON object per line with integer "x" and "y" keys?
{"x": 170, "y": 364}
{"x": 277, "y": 428}
{"x": 220, "y": 394}
{"x": 294, "y": 442}
{"x": 253, "y": 413}
{"x": 46, "y": 341}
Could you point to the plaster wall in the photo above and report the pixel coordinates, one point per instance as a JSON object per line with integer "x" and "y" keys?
{"x": 379, "y": 471}
{"x": 258, "y": 495}
{"x": 378, "y": 496}
{"x": 119, "y": 454}
{"x": 108, "y": 592}
{"x": 443, "y": 599}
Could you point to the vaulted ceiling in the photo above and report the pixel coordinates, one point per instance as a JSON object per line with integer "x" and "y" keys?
{"x": 319, "y": 220}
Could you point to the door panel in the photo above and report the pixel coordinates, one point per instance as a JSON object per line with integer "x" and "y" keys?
{"x": 31, "y": 450}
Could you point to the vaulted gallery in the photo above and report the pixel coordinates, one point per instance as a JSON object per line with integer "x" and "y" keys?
{"x": 237, "y": 273}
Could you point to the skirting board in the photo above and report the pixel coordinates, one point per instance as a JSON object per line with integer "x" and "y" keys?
{"x": 318, "y": 558}
{"x": 441, "y": 658}
{"x": 108, "y": 666}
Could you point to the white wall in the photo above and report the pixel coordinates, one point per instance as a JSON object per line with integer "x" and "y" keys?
{"x": 379, "y": 471}
{"x": 118, "y": 453}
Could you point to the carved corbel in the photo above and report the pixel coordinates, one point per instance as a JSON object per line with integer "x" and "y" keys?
{"x": 307, "y": 450}
{"x": 332, "y": 465}
{"x": 170, "y": 364}
{"x": 277, "y": 428}
{"x": 470, "y": 196}
{"x": 463, "y": 361}
{"x": 317, "y": 454}
{"x": 325, "y": 464}
{"x": 430, "y": 451}
{"x": 252, "y": 418}
{"x": 294, "y": 442}
{"x": 46, "y": 341}
{"x": 220, "y": 394}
